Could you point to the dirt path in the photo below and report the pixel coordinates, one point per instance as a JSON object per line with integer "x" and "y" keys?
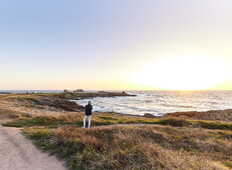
{"x": 18, "y": 153}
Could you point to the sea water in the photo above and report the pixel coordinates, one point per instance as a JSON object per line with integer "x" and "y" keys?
{"x": 159, "y": 103}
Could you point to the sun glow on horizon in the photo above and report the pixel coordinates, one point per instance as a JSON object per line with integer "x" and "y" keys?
{"x": 183, "y": 73}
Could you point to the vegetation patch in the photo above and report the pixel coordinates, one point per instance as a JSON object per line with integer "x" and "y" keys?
{"x": 216, "y": 115}
{"x": 132, "y": 147}
{"x": 215, "y": 125}
{"x": 174, "y": 122}
{"x": 106, "y": 119}
{"x": 39, "y": 121}
{"x": 13, "y": 115}
{"x": 228, "y": 164}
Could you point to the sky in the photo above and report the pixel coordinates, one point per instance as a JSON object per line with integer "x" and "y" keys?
{"x": 116, "y": 44}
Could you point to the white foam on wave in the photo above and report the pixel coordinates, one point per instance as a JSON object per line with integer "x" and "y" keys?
{"x": 159, "y": 103}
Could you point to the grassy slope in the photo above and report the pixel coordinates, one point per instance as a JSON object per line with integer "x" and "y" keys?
{"x": 137, "y": 147}
{"x": 218, "y": 115}
{"x": 167, "y": 143}
{"x": 113, "y": 119}
{"x": 9, "y": 114}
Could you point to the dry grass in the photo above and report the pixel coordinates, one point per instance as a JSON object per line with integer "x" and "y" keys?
{"x": 6, "y": 114}
{"x": 137, "y": 147}
{"x": 219, "y": 115}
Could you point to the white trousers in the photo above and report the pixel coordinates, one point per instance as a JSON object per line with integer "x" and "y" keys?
{"x": 89, "y": 121}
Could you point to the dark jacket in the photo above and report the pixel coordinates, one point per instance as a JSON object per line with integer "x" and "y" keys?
{"x": 88, "y": 109}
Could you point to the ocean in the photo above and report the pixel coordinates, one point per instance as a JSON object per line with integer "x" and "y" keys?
{"x": 159, "y": 103}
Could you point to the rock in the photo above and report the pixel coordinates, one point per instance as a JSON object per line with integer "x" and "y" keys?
{"x": 67, "y": 105}
{"x": 148, "y": 115}
{"x": 78, "y": 91}
{"x": 102, "y": 92}
{"x": 59, "y": 103}
{"x": 5, "y": 93}
{"x": 66, "y": 91}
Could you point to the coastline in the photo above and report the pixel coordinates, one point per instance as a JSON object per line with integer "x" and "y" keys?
{"x": 15, "y": 107}
{"x": 54, "y": 125}
{"x": 62, "y": 102}
{"x": 162, "y": 103}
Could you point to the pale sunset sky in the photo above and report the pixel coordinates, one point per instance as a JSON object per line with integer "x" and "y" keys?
{"x": 116, "y": 44}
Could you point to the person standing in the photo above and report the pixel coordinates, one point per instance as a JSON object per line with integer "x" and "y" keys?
{"x": 88, "y": 114}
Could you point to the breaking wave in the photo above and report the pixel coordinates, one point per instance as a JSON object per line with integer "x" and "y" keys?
{"x": 159, "y": 103}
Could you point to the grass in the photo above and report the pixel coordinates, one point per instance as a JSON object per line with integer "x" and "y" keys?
{"x": 9, "y": 114}
{"x": 215, "y": 125}
{"x": 38, "y": 121}
{"x": 112, "y": 119}
{"x": 134, "y": 147}
{"x": 170, "y": 143}
{"x": 215, "y": 115}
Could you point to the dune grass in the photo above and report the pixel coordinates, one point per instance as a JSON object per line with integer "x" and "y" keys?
{"x": 135, "y": 147}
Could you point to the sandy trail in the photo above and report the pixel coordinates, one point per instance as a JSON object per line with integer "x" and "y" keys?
{"x": 18, "y": 153}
